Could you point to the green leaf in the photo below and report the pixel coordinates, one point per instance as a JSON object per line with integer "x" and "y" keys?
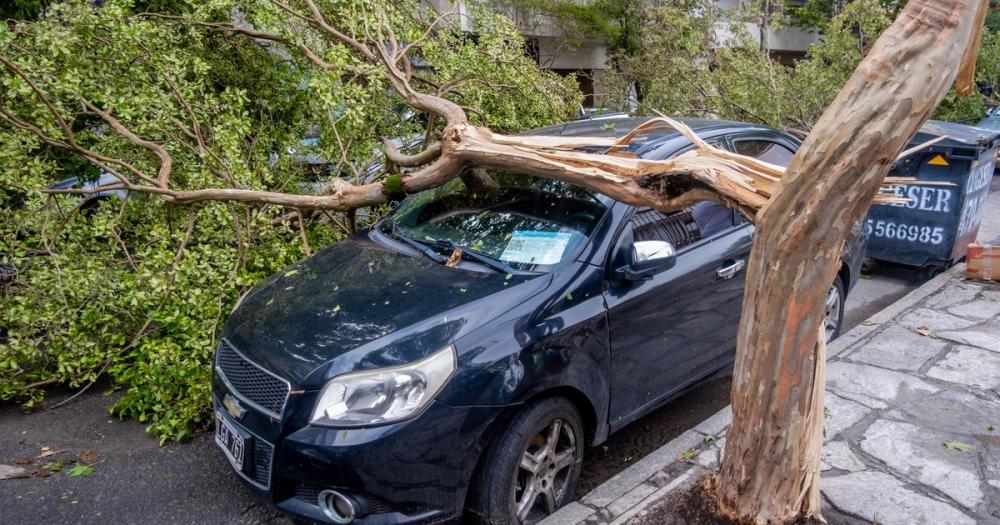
{"x": 956, "y": 445}
{"x": 80, "y": 470}
{"x": 569, "y": 296}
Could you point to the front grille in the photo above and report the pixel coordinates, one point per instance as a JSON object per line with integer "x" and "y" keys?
{"x": 250, "y": 381}
{"x": 308, "y": 493}
{"x": 262, "y": 452}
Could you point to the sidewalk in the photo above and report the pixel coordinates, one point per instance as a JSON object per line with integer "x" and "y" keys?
{"x": 913, "y": 426}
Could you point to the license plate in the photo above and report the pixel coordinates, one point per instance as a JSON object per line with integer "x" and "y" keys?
{"x": 232, "y": 441}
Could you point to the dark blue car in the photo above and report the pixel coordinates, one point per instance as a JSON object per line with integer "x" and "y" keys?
{"x": 458, "y": 358}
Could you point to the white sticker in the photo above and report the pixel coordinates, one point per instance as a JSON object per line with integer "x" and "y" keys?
{"x": 535, "y": 247}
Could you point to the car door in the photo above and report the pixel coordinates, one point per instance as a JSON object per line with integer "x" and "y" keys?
{"x": 680, "y": 325}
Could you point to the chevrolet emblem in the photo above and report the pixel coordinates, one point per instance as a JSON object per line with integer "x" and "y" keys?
{"x": 233, "y": 407}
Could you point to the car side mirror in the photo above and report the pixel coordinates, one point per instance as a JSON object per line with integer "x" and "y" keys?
{"x": 648, "y": 258}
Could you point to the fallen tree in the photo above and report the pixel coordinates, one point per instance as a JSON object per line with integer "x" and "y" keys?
{"x": 770, "y": 471}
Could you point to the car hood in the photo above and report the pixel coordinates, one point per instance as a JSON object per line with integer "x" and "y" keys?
{"x": 357, "y": 305}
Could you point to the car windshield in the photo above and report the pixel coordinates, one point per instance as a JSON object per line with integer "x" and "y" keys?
{"x": 528, "y": 224}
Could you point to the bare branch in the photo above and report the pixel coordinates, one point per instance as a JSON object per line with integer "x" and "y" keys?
{"x": 394, "y": 156}
{"x": 166, "y": 161}
{"x": 101, "y": 161}
{"x": 69, "y": 136}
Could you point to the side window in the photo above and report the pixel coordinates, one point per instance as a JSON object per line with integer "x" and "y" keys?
{"x": 765, "y": 150}
{"x": 684, "y": 227}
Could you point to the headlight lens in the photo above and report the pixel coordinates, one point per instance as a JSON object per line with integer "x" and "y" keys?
{"x": 383, "y": 395}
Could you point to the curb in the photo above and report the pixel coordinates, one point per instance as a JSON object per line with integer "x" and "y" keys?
{"x": 630, "y": 485}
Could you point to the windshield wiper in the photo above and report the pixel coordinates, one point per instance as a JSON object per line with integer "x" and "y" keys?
{"x": 479, "y": 257}
{"x": 419, "y": 246}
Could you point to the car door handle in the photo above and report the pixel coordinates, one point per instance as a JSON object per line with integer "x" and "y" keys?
{"x": 728, "y": 272}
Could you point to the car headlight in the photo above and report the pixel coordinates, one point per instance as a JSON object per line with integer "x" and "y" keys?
{"x": 383, "y": 395}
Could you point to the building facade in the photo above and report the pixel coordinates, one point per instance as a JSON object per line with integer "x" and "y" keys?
{"x": 587, "y": 59}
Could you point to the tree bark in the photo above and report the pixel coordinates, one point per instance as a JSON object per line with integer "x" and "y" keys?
{"x": 770, "y": 470}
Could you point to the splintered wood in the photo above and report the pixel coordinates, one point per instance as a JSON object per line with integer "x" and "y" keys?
{"x": 705, "y": 172}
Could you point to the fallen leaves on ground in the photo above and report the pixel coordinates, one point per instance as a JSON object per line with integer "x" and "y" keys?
{"x": 925, "y": 331}
{"x": 80, "y": 470}
{"x": 687, "y": 454}
{"x": 89, "y": 456}
{"x": 46, "y": 452}
{"x": 957, "y": 445}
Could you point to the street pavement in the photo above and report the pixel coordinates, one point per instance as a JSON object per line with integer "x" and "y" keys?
{"x": 912, "y": 434}
{"x": 134, "y": 480}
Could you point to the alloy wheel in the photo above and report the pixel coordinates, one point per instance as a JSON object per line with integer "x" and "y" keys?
{"x": 544, "y": 471}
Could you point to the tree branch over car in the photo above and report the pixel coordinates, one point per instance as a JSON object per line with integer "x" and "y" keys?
{"x": 668, "y": 185}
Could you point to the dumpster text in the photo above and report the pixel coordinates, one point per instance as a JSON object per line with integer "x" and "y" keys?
{"x": 925, "y": 198}
{"x": 905, "y": 232}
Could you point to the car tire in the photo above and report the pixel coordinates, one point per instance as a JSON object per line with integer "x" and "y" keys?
{"x": 510, "y": 488}
{"x": 834, "y": 319}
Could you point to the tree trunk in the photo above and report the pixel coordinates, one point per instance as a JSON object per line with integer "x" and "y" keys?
{"x": 770, "y": 470}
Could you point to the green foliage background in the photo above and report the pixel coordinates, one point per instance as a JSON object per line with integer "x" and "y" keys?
{"x": 137, "y": 289}
{"x": 681, "y": 68}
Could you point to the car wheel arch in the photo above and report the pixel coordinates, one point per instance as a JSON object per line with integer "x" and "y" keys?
{"x": 845, "y": 277}
{"x": 500, "y": 423}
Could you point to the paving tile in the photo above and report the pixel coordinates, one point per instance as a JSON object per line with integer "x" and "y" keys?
{"x": 872, "y": 386}
{"x": 935, "y": 320}
{"x": 968, "y": 365}
{"x": 980, "y": 309}
{"x": 843, "y": 414}
{"x": 630, "y": 499}
{"x": 708, "y": 458}
{"x": 877, "y": 497}
{"x": 838, "y": 455}
{"x": 919, "y": 454}
{"x": 959, "y": 412}
{"x": 897, "y": 348}
{"x": 642, "y": 470}
{"x": 571, "y": 514}
{"x": 954, "y": 294}
{"x": 718, "y": 422}
{"x": 972, "y": 338}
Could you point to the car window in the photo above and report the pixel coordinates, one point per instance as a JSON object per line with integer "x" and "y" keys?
{"x": 684, "y": 227}
{"x": 530, "y": 223}
{"x": 765, "y": 150}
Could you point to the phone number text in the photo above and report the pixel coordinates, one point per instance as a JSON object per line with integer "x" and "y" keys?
{"x": 905, "y": 232}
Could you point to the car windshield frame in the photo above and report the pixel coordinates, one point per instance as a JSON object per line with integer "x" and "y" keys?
{"x": 572, "y": 232}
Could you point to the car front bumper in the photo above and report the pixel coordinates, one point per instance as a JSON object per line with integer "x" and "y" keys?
{"x": 414, "y": 471}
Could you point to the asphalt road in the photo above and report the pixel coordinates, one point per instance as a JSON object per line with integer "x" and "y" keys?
{"x": 134, "y": 480}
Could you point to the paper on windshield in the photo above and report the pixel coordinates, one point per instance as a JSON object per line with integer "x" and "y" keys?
{"x": 536, "y": 247}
